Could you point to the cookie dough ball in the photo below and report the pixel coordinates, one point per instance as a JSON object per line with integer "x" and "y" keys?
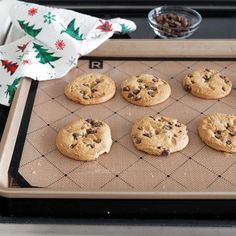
{"x": 90, "y": 89}
{"x": 208, "y": 84}
{"x": 159, "y": 135}
{"x": 84, "y": 140}
{"x": 145, "y": 90}
{"x": 219, "y": 131}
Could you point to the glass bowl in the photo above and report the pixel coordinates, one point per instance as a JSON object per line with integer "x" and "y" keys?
{"x": 172, "y": 31}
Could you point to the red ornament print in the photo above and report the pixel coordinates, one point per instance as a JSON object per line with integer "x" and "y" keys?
{"x": 60, "y": 45}
{"x": 105, "y": 26}
{"x": 32, "y": 11}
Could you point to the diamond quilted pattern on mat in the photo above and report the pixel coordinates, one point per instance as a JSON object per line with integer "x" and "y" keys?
{"x": 117, "y": 184}
{"x": 169, "y": 185}
{"x": 170, "y": 68}
{"x": 63, "y": 163}
{"x": 40, "y": 169}
{"x": 230, "y": 174}
{"x": 220, "y": 107}
{"x": 56, "y": 89}
{"x": 197, "y": 103}
{"x": 49, "y": 115}
{"x": 64, "y": 184}
{"x": 119, "y": 126}
{"x": 68, "y": 104}
{"x": 167, "y": 164}
{"x": 35, "y": 123}
{"x": 118, "y": 159}
{"x": 43, "y": 140}
{"x": 133, "y": 67}
{"x": 142, "y": 176}
{"x": 132, "y": 113}
{"x": 91, "y": 175}
{"x": 220, "y": 185}
{"x": 64, "y": 121}
{"x": 41, "y": 97}
{"x": 181, "y": 112}
{"x": 214, "y": 160}
{"x": 29, "y": 154}
{"x": 97, "y": 112}
{"x": 194, "y": 176}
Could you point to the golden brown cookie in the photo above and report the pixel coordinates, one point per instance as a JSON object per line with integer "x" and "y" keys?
{"x": 90, "y": 89}
{"x": 159, "y": 135}
{"x": 84, "y": 140}
{"x": 145, "y": 90}
{"x": 208, "y": 84}
{"x": 219, "y": 131}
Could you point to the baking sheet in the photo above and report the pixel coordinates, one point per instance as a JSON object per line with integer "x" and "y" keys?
{"x": 196, "y": 168}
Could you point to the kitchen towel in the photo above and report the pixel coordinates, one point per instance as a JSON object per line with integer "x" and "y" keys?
{"x": 55, "y": 39}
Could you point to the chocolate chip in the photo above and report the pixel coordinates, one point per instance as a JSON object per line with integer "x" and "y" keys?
{"x": 91, "y": 145}
{"x": 152, "y": 117}
{"x": 233, "y": 133}
{"x": 140, "y": 128}
{"x": 227, "y": 126}
{"x": 94, "y": 90}
{"x": 126, "y": 89}
{"x": 153, "y": 88}
{"x": 73, "y": 145}
{"x": 218, "y": 131}
{"x": 157, "y": 132}
{"x": 228, "y": 142}
{"x": 206, "y": 78}
{"x": 149, "y": 135}
{"x": 97, "y": 140}
{"x": 76, "y": 135}
{"x": 177, "y": 125}
{"x": 187, "y": 87}
{"x": 223, "y": 88}
{"x": 138, "y": 140}
{"x": 167, "y": 127}
{"x": 155, "y": 79}
{"x": 86, "y": 85}
{"x": 91, "y": 131}
{"x": 190, "y": 75}
{"x": 97, "y": 123}
{"x": 218, "y": 136}
{"x": 130, "y": 95}
{"x": 192, "y": 81}
{"x": 207, "y": 70}
{"x": 136, "y": 91}
{"x": 165, "y": 152}
{"x": 151, "y": 93}
{"x": 140, "y": 80}
{"x": 90, "y": 121}
{"x": 99, "y": 81}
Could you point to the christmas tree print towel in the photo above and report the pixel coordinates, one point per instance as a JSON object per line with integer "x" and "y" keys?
{"x": 54, "y": 40}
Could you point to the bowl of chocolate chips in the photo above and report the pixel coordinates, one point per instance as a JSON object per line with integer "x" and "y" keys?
{"x": 174, "y": 21}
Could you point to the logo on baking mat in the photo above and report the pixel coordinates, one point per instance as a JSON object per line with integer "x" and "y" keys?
{"x": 95, "y": 64}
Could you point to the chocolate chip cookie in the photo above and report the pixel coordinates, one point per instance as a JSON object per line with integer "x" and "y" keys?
{"x": 145, "y": 90}
{"x": 84, "y": 140}
{"x": 159, "y": 135}
{"x": 208, "y": 84}
{"x": 219, "y": 131}
{"x": 90, "y": 89}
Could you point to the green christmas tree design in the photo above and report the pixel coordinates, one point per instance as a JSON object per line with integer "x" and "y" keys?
{"x": 125, "y": 29}
{"x": 44, "y": 56}
{"x": 74, "y": 33}
{"x": 29, "y": 29}
{"x": 11, "y": 89}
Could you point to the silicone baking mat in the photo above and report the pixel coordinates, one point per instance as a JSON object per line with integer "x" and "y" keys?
{"x": 196, "y": 168}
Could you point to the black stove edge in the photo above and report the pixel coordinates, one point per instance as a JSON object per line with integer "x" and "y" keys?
{"x": 120, "y": 208}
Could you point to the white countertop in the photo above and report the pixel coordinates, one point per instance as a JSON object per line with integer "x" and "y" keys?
{"x": 108, "y": 230}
